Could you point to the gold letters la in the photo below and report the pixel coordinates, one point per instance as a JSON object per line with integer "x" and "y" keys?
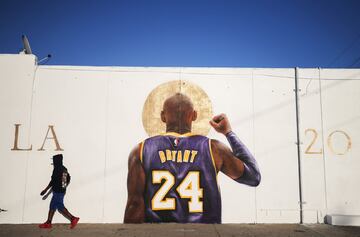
{"x": 16, "y": 147}
{"x": 54, "y": 137}
{"x": 51, "y": 128}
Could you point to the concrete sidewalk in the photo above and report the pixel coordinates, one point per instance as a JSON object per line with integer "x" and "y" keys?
{"x": 179, "y": 230}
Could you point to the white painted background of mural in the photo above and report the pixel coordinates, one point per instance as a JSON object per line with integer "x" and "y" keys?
{"x": 97, "y": 111}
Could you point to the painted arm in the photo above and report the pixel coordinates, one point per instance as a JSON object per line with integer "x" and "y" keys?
{"x": 241, "y": 164}
{"x": 135, "y": 206}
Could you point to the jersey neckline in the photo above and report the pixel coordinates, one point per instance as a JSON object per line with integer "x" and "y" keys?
{"x": 175, "y": 134}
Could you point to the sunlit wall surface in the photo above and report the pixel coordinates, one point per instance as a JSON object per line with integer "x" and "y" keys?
{"x": 94, "y": 117}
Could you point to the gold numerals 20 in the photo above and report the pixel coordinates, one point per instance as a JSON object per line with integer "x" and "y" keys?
{"x": 310, "y": 149}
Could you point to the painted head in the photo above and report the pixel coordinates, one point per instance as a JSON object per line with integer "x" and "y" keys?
{"x": 178, "y": 113}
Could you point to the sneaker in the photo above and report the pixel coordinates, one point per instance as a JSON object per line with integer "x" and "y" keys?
{"x": 45, "y": 225}
{"x": 74, "y": 222}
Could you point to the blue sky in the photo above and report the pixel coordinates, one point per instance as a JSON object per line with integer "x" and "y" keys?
{"x": 194, "y": 33}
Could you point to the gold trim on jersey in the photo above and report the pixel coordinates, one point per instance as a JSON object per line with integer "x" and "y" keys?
{"x": 141, "y": 151}
{"x": 212, "y": 157}
{"x": 213, "y": 162}
{"x": 175, "y": 134}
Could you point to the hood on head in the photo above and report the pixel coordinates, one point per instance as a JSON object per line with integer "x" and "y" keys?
{"x": 58, "y": 160}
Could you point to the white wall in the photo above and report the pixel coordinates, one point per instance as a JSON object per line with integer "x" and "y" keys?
{"x": 96, "y": 113}
{"x": 329, "y": 105}
{"x": 17, "y": 75}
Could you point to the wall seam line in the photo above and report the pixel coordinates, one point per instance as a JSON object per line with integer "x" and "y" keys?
{"x": 106, "y": 145}
{"x": 322, "y": 137}
{"x": 29, "y": 142}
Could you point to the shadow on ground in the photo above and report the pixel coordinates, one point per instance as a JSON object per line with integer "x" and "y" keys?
{"x": 180, "y": 230}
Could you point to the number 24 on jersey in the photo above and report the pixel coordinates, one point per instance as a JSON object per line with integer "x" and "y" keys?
{"x": 189, "y": 188}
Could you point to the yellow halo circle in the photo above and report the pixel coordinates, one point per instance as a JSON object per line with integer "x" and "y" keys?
{"x": 154, "y": 103}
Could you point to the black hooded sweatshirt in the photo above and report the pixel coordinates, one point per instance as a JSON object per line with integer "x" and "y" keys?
{"x": 60, "y": 177}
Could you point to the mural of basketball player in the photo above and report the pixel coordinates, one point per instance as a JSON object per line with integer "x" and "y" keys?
{"x": 60, "y": 179}
{"x": 173, "y": 177}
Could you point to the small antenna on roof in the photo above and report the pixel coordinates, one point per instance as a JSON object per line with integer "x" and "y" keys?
{"x": 27, "y": 50}
{"x": 26, "y": 44}
{"x": 44, "y": 60}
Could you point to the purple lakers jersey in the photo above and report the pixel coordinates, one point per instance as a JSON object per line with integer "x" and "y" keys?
{"x": 181, "y": 179}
